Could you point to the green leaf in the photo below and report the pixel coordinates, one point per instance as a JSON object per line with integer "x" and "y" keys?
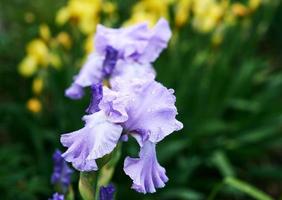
{"x": 246, "y": 188}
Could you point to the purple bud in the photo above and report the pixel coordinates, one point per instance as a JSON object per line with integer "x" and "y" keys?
{"x": 57, "y": 196}
{"x": 107, "y": 193}
{"x": 61, "y": 173}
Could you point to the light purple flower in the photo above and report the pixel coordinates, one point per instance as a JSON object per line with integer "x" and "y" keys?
{"x": 145, "y": 171}
{"x": 62, "y": 173}
{"x": 97, "y": 138}
{"x": 57, "y": 196}
{"x": 136, "y": 44}
{"x": 142, "y": 108}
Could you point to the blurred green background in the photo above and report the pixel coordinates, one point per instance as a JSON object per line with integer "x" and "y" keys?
{"x": 224, "y": 62}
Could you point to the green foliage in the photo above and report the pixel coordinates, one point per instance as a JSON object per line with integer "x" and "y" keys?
{"x": 228, "y": 97}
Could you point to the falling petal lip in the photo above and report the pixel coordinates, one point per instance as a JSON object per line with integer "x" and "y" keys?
{"x": 154, "y": 177}
{"x": 89, "y": 143}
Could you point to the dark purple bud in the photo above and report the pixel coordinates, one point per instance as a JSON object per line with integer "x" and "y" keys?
{"x": 107, "y": 193}
{"x": 110, "y": 61}
{"x": 62, "y": 173}
{"x": 57, "y": 196}
{"x": 96, "y": 97}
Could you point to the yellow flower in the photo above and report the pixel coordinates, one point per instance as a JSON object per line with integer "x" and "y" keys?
{"x": 85, "y": 13}
{"x": 240, "y": 10}
{"x": 38, "y": 49}
{"x": 254, "y": 4}
{"x": 28, "y": 66}
{"x": 55, "y": 60}
{"x": 62, "y": 16}
{"x": 182, "y": 12}
{"x": 207, "y": 14}
{"x": 44, "y": 32}
{"x": 89, "y": 44}
{"x": 37, "y": 85}
{"x": 109, "y": 7}
{"x": 64, "y": 39}
{"x": 149, "y": 10}
{"x": 34, "y": 105}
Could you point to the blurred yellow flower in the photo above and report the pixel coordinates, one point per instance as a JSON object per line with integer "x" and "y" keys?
{"x": 28, "y": 66}
{"x": 83, "y": 12}
{"x": 207, "y": 14}
{"x": 254, "y": 4}
{"x": 37, "y": 85}
{"x": 150, "y": 11}
{"x": 109, "y": 7}
{"x": 44, "y": 32}
{"x": 240, "y": 10}
{"x": 55, "y": 60}
{"x": 182, "y": 12}
{"x": 38, "y": 49}
{"x": 64, "y": 39}
{"x": 89, "y": 44}
{"x": 34, "y": 105}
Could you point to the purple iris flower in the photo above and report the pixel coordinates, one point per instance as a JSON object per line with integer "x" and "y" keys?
{"x": 57, "y": 196}
{"x": 62, "y": 173}
{"x": 142, "y": 108}
{"x": 107, "y": 193}
{"x": 138, "y": 44}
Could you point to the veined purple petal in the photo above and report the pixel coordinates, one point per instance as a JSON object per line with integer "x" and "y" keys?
{"x": 107, "y": 193}
{"x": 114, "y": 104}
{"x": 110, "y": 61}
{"x": 145, "y": 171}
{"x": 150, "y": 108}
{"x": 57, "y": 196}
{"x": 98, "y": 138}
{"x": 90, "y": 73}
{"x": 96, "y": 97}
{"x": 138, "y": 42}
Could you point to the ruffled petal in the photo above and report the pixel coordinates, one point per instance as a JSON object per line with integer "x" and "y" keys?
{"x": 139, "y": 42}
{"x": 98, "y": 138}
{"x": 161, "y": 34}
{"x": 90, "y": 73}
{"x": 150, "y": 108}
{"x": 126, "y": 69}
{"x": 114, "y": 105}
{"x": 145, "y": 171}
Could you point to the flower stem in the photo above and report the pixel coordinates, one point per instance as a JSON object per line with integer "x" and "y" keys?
{"x": 87, "y": 185}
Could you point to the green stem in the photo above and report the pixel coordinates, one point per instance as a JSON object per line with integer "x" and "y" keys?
{"x": 90, "y": 182}
{"x": 87, "y": 185}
